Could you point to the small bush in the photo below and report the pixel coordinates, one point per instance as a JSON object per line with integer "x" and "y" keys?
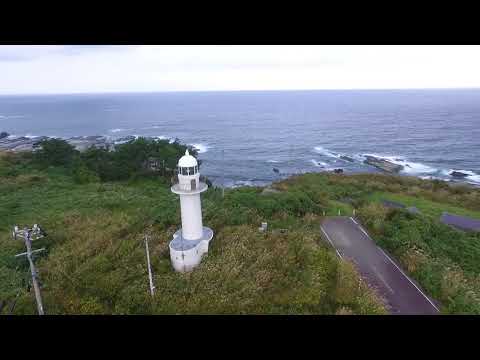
{"x": 83, "y": 175}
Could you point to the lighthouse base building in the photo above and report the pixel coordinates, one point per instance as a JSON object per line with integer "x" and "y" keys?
{"x": 187, "y": 254}
{"x": 191, "y": 241}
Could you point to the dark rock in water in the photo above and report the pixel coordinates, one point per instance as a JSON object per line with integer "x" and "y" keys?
{"x": 338, "y": 171}
{"x": 347, "y": 158}
{"x": 383, "y": 164}
{"x": 458, "y": 174}
{"x": 275, "y": 170}
{"x": 4, "y": 134}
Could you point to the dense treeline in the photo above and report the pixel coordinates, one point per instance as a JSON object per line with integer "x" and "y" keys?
{"x": 128, "y": 160}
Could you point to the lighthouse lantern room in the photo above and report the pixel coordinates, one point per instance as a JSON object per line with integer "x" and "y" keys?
{"x": 191, "y": 241}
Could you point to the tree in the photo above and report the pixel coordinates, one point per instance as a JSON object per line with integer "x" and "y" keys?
{"x": 56, "y": 152}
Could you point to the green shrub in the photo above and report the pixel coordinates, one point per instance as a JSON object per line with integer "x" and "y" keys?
{"x": 55, "y": 152}
{"x": 83, "y": 175}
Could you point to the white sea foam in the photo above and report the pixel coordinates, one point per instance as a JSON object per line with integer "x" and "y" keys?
{"x": 409, "y": 167}
{"x": 318, "y": 163}
{"x": 321, "y": 150}
{"x": 11, "y": 116}
{"x": 201, "y": 148}
{"x": 474, "y": 179}
{"x": 151, "y": 127}
{"x": 273, "y": 161}
{"x": 241, "y": 183}
{"x": 471, "y": 177}
{"x": 118, "y": 130}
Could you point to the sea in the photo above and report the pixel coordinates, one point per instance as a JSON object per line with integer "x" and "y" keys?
{"x": 256, "y": 137}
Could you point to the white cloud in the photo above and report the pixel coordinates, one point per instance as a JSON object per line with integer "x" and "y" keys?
{"x": 60, "y": 69}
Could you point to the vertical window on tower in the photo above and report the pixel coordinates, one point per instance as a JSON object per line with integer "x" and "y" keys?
{"x": 184, "y": 171}
{"x": 191, "y": 170}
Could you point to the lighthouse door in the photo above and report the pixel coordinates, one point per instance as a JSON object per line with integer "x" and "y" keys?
{"x": 193, "y": 184}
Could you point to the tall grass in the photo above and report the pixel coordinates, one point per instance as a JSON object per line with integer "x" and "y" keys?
{"x": 95, "y": 258}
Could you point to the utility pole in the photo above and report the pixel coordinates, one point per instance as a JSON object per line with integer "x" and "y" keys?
{"x": 27, "y": 237}
{"x": 150, "y": 277}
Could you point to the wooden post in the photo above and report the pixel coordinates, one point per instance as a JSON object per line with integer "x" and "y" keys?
{"x": 150, "y": 278}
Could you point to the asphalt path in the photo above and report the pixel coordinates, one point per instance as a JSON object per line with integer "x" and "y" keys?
{"x": 401, "y": 294}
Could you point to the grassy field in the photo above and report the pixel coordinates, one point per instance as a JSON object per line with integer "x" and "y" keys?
{"x": 427, "y": 207}
{"x": 95, "y": 259}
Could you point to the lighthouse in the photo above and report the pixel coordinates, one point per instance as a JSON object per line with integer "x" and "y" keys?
{"x": 191, "y": 241}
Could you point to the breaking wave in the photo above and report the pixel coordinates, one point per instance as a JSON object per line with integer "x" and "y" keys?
{"x": 118, "y": 130}
{"x": 151, "y": 127}
{"x": 471, "y": 177}
{"x": 321, "y": 150}
{"x": 318, "y": 163}
{"x": 201, "y": 148}
{"x": 11, "y": 116}
{"x": 409, "y": 167}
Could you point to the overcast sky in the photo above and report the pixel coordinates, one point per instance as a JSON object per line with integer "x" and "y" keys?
{"x": 83, "y": 69}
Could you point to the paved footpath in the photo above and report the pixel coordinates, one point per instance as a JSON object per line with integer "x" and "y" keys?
{"x": 402, "y": 295}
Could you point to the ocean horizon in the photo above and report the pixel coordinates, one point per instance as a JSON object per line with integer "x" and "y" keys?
{"x": 243, "y": 135}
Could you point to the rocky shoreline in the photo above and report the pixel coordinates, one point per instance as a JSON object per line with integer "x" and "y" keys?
{"x": 81, "y": 143}
{"x": 383, "y": 164}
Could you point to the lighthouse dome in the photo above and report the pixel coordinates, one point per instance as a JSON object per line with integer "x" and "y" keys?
{"x": 187, "y": 160}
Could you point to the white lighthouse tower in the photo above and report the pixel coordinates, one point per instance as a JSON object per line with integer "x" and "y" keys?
{"x": 191, "y": 241}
